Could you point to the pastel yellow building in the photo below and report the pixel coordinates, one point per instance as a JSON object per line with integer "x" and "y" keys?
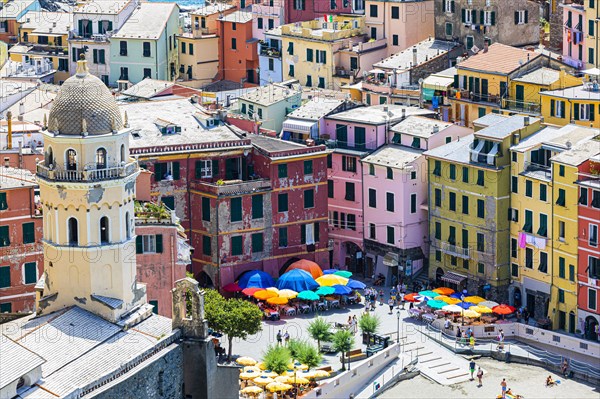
{"x": 43, "y": 41}
{"x": 579, "y": 105}
{"x": 592, "y": 36}
{"x": 469, "y": 197}
{"x": 543, "y": 258}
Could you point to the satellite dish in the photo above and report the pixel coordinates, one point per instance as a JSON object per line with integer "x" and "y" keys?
{"x": 568, "y": 144}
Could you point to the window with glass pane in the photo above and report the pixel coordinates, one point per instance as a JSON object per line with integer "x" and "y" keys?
{"x": 236, "y": 245}
{"x": 236, "y": 209}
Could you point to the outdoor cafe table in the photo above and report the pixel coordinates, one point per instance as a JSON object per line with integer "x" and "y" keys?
{"x": 416, "y": 312}
{"x": 429, "y": 317}
{"x": 303, "y": 308}
{"x": 289, "y": 310}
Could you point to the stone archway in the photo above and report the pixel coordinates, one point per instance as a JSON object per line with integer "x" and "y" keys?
{"x": 287, "y": 264}
{"x": 204, "y": 280}
{"x": 517, "y": 297}
{"x": 591, "y": 326}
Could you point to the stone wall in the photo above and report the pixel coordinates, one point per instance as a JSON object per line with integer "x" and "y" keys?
{"x": 556, "y": 30}
{"x": 436, "y": 64}
{"x": 158, "y": 377}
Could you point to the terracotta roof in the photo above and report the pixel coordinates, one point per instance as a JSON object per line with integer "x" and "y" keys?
{"x": 499, "y": 58}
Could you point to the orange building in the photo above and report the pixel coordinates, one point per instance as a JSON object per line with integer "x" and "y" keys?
{"x": 21, "y": 261}
{"x": 238, "y": 50}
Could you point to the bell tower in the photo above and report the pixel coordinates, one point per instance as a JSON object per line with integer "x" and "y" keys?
{"x": 87, "y": 189}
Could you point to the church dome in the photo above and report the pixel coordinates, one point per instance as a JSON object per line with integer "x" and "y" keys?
{"x": 84, "y": 104}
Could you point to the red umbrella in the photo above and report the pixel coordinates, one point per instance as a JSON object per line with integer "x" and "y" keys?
{"x": 308, "y": 266}
{"x": 232, "y": 287}
{"x": 504, "y": 309}
{"x": 251, "y": 291}
{"x": 414, "y": 297}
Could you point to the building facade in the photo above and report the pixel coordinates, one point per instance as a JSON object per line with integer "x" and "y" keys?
{"x": 10, "y": 14}
{"x": 574, "y": 43}
{"x": 269, "y": 57}
{"x": 238, "y": 52}
{"x": 578, "y": 104}
{"x": 592, "y": 38}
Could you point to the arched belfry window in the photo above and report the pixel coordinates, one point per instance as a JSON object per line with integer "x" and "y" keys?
{"x": 100, "y": 158}
{"x": 104, "y": 232}
{"x": 50, "y": 157}
{"x": 123, "y": 153}
{"x": 73, "y": 231}
{"x": 127, "y": 226}
{"x": 71, "y": 159}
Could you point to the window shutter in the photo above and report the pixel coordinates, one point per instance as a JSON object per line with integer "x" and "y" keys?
{"x": 198, "y": 170}
{"x": 562, "y": 109}
{"x": 4, "y": 276}
{"x": 552, "y": 107}
{"x": 95, "y": 56}
{"x": 110, "y": 25}
{"x": 99, "y": 26}
{"x": 592, "y": 111}
{"x": 526, "y": 16}
{"x": 139, "y": 248}
{"x": 215, "y": 168}
{"x": 316, "y": 232}
{"x": 176, "y": 171}
{"x": 482, "y": 16}
{"x": 493, "y": 18}
{"x": 303, "y": 234}
{"x": 463, "y": 15}
{"x": 159, "y": 243}
{"x": 74, "y": 55}
{"x": 452, "y": 6}
{"x": 474, "y": 16}
{"x": 456, "y": 84}
{"x": 516, "y": 17}
{"x": 576, "y": 111}
{"x": 28, "y": 232}
{"x": 80, "y": 27}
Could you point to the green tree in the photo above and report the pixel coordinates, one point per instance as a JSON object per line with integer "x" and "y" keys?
{"x": 235, "y": 318}
{"x": 213, "y": 303}
{"x": 276, "y": 358}
{"x": 309, "y": 355}
{"x": 319, "y": 330}
{"x": 343, "y": 341}
{"x": 295, "y": 346}
{"x": 369, "y": 324}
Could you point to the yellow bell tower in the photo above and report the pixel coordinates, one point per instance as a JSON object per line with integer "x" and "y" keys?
{"x": 87, "y": 189}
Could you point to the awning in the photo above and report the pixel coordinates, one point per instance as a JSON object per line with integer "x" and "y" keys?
{"x": 438, "y": 82}
{"x": 390, "y": 259}
{"x": 453, "y": 278}
{"x": 296, "y": 125}
{"x": 428, "y": 94}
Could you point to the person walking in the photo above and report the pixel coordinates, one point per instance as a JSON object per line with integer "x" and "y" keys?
{"x": 381, "y": 297}
{"x": 472, "y": 368}
{"x": 480, "y": 376}
{"x": 354, "y": 324}
{"x": 458, "y": 335}
{"x": 286, "y": 338}
{"x": 503, "y": 385}
{"x": 279, "y": 337}
{"x": 391, "y": 305}
{"x": 472, "y": 342}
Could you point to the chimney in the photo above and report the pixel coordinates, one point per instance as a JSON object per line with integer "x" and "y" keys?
{"x": 415, "y": 56}
{"x": 486, "y": 45}
{"x": 436, "y": 129}
{"x": 9, "y": 127}
{"x": 526, "y": 121}
{"x": 385, "y": 108}
{"x": 403, "y": 113}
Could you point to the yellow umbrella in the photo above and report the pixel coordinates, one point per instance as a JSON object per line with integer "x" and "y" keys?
{"x": 246, "y": 361}
{"x": 270, "y": 374}
{"x": 262, "y": 295}
{"x": 282, "y": 378}
{"x": 277, "y": 300}
{"x": 278, "y": 387}
{"x": 249, "y": 375}
{"x": 263, "y": 380}
{"x": 451, "y": 301}
{"x": 471, "y": 313}
{"x": 298, "y": 380}
{"x": 261, "y": 365}
{"x": 253, "y": 389}
{"x": 297, "y": 366}
{"x": 320, "y": 374}
{"x": 481, "y": 309}
{"x": 331, "y": 279}
{"x": 474, "y": 299}
{"x": 251, "y": 369}
{"x": 288, "y": 293}
{"x": 273, "y": 289}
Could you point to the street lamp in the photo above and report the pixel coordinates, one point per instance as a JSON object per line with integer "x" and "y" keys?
{"x": 295, "y": 384}
{"x": 398, "y": 327}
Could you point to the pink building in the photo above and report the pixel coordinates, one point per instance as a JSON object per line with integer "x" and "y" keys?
{"x": 575, "y": 23}
{"x": 395, "y": 196}
{"x": 266, "y": 15}
{"x": 353, "y": 134}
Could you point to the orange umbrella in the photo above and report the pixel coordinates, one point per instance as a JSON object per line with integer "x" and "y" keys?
{"x": 278, "y": 300}
{"x": 414, "y": 297}
{"x": 308, "y": 266}
{"x": 504, "y": 309}
{"x": 262, "y": 295}
{"x": 444, "y": 291}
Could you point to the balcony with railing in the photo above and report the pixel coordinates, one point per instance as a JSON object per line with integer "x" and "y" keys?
{"x": 232, "y": 187}
{"x": 455, "y": 250}
{"x": 267, "y": 51}
{"x": 522, "y": 106}
{"x": 150, "y": 213}
{"x": 465, "y": 95}
{"x": 537, "y": 170}
{"x": 94, "y": 173}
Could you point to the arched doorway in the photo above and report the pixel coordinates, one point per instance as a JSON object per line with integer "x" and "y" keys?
{"x": 287, "y": 264}
{"x": 71, "y": 159}
{"x": 591, "y": 328}
{"x": 517, "y": 297}
{"x": 100, "y": 158}
{"x": 204, "y": 280}
{"x": 350, "y": 260}
{"x": 438, "y": 276}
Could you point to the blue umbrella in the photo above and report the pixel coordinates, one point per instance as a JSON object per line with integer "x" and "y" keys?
{"x": 256, "y": 279}
{"x": 466, "y": 305}
{"x": 330, "y": 271}
{"x": 297, "y": 280}
{"x": 458, "y": 295}
{"x": 356, "y": 285}
{"x": 341, "y": 290}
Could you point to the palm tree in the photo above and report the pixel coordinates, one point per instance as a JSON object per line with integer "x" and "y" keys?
{"x": 309, "y": 355}
{"x": 276, "y": 358}
{"x": 343, "y": 341}
{"x": 296, "y": 346}
{"x": 319, "y": 330}
{"x": 369, "y": 324}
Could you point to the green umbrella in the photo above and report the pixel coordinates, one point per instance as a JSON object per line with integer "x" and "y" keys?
{"x": 343, "y": 273}
{"x": 436, "y": 304}
{"x": 324, "y": 290}
{"x": 308, "y": 296}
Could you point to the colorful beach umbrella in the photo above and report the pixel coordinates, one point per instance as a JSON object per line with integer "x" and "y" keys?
{"x": 448, "y": 299}
{"x": 278, "y": 387}
{"x": 269, "y": 373}
{"x": 331, "y": 279}
{"x": 489, "y": 304}
{"x": 290, "y": 294}
{"x": 436, "y": 304}
{"x": 481, "y": 309}
{"x": 246, "y": 361}
{"x": 325, "y": 291}
{"x": 263, "y": 380}
{"x": 413, "y": 297}
{"x": 320, "y": 374}
{"x": 444, "y": 291}
{"x": 277, "y": 300}
{"x": 264, "y": 295}
{"x": 273, "y": 289}
{"x": 474, "y": 299}
{"x": 429, "y": 294}
{"x": 232, "y": 287}
{"x": 297, "y": 280}
{"x": 356, "y": 285}
{"x": 252, "y": 369}
{"x": 251, "y": 291}
{"x": 465, "y": 305}
{"x": 330, "y": 271}
{"x": 459, "y": 295}
{"x": 343, "y": 273}
{"x": 308, "y": 266}
{"x": 252, "y": 390}
{"x": 453, "y": 309}
{"x": 249, "y": 375}
{"x": 256, "y": 278}
{"x": 308, "y": 296}
{"x": 471, "y": 313}
{"x": 341, "y": 290}
{"x": 504, "y": 309}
